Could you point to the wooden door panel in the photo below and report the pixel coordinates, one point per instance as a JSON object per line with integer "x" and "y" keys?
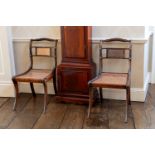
{"x": 77, "y": 67}
{"x": 74, "y": 42}
{"x": 74, "y": 81}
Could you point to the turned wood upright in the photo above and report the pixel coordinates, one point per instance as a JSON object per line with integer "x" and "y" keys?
{"x": 77, "y": 67}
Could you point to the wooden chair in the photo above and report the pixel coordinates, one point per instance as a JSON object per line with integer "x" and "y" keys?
{"x": 42, "y": 47}
{"x": 109, "y": 50}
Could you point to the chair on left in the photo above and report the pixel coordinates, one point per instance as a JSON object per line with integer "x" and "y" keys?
{"x": 41, "y": 47}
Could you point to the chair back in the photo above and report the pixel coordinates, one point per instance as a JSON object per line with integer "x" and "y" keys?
{"x": 115, "y": 48}
{"x": 43, "y": 47}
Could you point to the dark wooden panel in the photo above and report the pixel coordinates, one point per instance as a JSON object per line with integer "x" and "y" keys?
{"x": 77, "y": 67}
{"x": 6, "y": 112}
{"x": 30, "y": 114}
{"x": 74, "y": 117}
{"x": 74, "y": 99}
{"x": 74, "y": 81}
{"x": 74, "y": 42}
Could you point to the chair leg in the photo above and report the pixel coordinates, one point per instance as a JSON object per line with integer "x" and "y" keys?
{"x": 32, "y": 89}
{"x": 45, "y": 96}
{"x": 90, "y": 100}
{"x": 16, "y": 93}
{"x": 54, "y": 81}
{"x": 129, "y": 97}
{"x": 126, "y": 106}
{"x": 101, "y": 95}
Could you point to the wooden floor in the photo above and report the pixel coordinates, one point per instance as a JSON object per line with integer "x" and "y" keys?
{"x": 109, "y": 115}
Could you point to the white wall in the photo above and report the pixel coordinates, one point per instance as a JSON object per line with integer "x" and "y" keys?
{"x": 24, "y": 32}
{"x": 148, "y": 51}
{"x": 27, "y": 32}
{"x": 153, "y": 57}
{"x": 6, "y": 63}
{"x": 130, "y": 32}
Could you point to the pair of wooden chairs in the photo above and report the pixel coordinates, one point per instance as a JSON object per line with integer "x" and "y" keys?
{"x": 42, "y": 47}
{"x": 115, "y": 48}
{"x": 45, "y": 47}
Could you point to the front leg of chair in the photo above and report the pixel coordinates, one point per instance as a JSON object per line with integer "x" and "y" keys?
{"x": 16, "y": 93}
{"x": 90, "y": 100}
{"x": 54, "y": 81}
{"x": 45, "y": 97}
{"x": 129, "y": 96}
{"x": 126, "y": 106}
{"x": 101, "y": 95}
{"x": 32, "y": 89}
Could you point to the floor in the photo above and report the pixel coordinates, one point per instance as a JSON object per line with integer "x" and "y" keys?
{"x": 109, "y": 115}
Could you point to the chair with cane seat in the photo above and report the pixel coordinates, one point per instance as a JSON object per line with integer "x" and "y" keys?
{"x": 109, "y": 50}
{"x": 44, "y": 48}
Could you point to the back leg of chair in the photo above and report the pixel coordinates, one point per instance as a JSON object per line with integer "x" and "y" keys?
{"x": 101, "y": 95}
{"x": 54, "y": 81}
{"x": 45, "y": 96}
{"x": 126, "y": 105}
{"x": 16, "y": 93}
{"x": 90, "y": 100}
{"x": 32, "y": 89}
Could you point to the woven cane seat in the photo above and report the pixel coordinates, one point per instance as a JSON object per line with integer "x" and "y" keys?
{"x": 110, "y": 79}
{"x": 37, "y": 75}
